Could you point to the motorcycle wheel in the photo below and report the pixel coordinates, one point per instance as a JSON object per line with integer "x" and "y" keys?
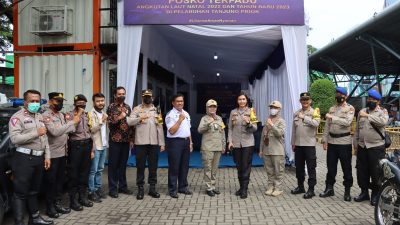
{"x": 387, "y": 208}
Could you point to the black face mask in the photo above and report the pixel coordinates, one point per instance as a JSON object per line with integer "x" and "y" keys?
{"x": 81, "y": 106}
{"x": 340, "y": 99}
{"x": 147, "y": 100}
{"x": 371, "y": 105}
{"x": 121, "y": 98}
{"x": 58, "y": 106}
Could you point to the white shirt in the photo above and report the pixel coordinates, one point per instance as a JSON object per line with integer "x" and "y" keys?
{"x": 103, "y": 128}
{"x": 171, "y": 119}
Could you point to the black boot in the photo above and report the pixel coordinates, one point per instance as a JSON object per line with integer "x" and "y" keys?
{"x": 310, "y": 193}
{"x": 73, "y": 202}
{"x": 18, "y": 210}
{"x": 51, "y": 211}
{"x": 140, "y": 194}
{"x": 94, "y": 197}
{"x": 298, "y": 190}
{"x": 374, "y": 197}
{"x": 36, "y": 219}
{"x": 347, "y": 196}
{"x": 83, "y": 199}
{"x": 243, "y": 195}
{"x": 239, "y": 192}
{"x": 363, "y": 196}
{"x": 328, "y": 192}
{"x": 153, "y": 192}
{"x": 60, "y": 209}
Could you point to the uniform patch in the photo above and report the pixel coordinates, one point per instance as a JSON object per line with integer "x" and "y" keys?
{"x": 28, "y": 121}
{"x": 14, "y": 121}
{"x": 67, "y": 116}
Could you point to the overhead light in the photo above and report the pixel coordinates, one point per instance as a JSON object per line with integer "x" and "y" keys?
{"x": 215, "y": 56}
{"x": 218, "y": 74}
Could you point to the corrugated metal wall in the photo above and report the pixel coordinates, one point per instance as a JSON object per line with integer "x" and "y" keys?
{"x": 82, "y": 25}
{"x": 70, "y": 74}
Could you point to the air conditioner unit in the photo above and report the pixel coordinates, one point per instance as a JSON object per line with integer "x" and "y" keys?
{"x": 51, "y": 20}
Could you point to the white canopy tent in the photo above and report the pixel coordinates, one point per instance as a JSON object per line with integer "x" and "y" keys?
{"x": 245, "y": 48}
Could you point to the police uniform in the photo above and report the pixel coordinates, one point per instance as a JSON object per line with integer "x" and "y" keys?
{"x": 240, "y": 134}
{"x": 213, "y": 142}
{"x": 27, "y": 163}
{"x": 149, "y": 136}
{"x": 273, "y": 151}
{"x": 57, "y": 133}
{"x": 337, "y": 136}
{"x": 370, "y": 148}
{"x": 304, "y": 131}
{"x": 80, "y": 145}
{"x": 178, "y": 148}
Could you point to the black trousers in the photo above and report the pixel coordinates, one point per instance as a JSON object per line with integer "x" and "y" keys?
{"x": 334, "y": 154}
{"x": 243, "y": 158}
{"x": 149, "y": 154}
{"x": 306, "y": 155}
{"x": 79, "y": 165}
{"x": 178, "y": 163}
{"x": 54, "y": 179}
{"x": 117, "y": 159}
{"x": 27, "y": 172}
{"x": 367, "y": 166}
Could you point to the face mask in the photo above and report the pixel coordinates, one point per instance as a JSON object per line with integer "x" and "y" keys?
{"x": 340, "y": 99}
{"x": 147, "y": 100}
{"x": 58, "y": 106}
{"x": 33, "y": 107}
{"x": 121, "y": 98}
{"x": 81, "y": 106}
{"x": 274, "y": 112}
{"x": 371, "y": 105}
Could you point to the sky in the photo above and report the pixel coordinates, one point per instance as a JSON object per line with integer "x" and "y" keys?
{"x": 330, "y": 19}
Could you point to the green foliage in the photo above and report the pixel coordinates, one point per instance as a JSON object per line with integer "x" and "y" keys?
{"x": 323, "y": 95}
{"x": 6, "y": 37}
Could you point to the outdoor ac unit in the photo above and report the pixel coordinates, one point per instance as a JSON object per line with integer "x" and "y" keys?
{"x": 51, "y": 20}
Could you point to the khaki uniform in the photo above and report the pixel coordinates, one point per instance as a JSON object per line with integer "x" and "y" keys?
{"x": 365, "y": 135}
{"x": 58, "y": 129}
{"x": 23, "y": 132}
{"x": 240, "y": 134}
{"x": 82, "y": 131}
{"x": 212, "y": 143}
{"x": 340, "y": 124}
{"x": 272, "y": 146}
{"x": 304, "y": 131}
{"x": 149, "y": 131}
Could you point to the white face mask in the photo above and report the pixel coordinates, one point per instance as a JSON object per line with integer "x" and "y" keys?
{"x": 274, "y": 112}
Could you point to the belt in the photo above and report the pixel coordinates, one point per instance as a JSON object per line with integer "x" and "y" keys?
{"x": 179, "y": 138}
{"x": 339, "y": 135}
{"x": 81, "y": 141}
{"x": 29, "y": 151}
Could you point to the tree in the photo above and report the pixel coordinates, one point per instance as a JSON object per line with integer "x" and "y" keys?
{"x": 6, "y": 19}
{"x": 323, "y": 95}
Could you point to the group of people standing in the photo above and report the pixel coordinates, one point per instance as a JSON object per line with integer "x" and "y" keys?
{"x": 75, "y": 144}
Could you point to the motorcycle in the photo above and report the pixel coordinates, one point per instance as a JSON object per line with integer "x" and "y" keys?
{"x": 387, "y": 209}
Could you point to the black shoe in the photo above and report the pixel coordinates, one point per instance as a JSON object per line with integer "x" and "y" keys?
{"x": 298, "y": 190}
{"x": 363, "y": 196}
{"x": 83, "y": 199}
{"x": 125, "y": 191}
{"x": 238, "y": 192}
{"x": 173, "y": 195}
{"x": 140, "y": 194}
{"x": 51, "y": 211}
{"x": 60, "y": 209}
{"x": 328, "y": 192}
{"x": 347, "y": 196}
{"x": 38, "y": 220}
{"x": 185, "y": 192}
{"x": 374, "y": 198}
{"x": 101, "y": 193}
{"x": 94, "y": 197}
{"x": 210, "y": 193}
{"x": 153, "y": 193}
{"x": 243, "y": 195}
{"x": 74, "y": 204}
{"x": 216, "y": 192}
{"x": 309, "y": 194}
{"x": 113, "y": 194}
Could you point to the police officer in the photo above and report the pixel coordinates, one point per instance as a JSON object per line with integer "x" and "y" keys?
{"x": 213, "y": 143}
{"x": 179, "y": 145}
{"x": 28, "y": 133}
{"x": 241, "y": 141}
{"x": 149, "y": 138}
{"x": 272, "y": 148}
{"x": 304, "y": 131}
{"x": 80, "y": 152}
{"x": 338, "y": 142}
{"x": 370, "y": 144}
{"x": 57, "y": 132}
